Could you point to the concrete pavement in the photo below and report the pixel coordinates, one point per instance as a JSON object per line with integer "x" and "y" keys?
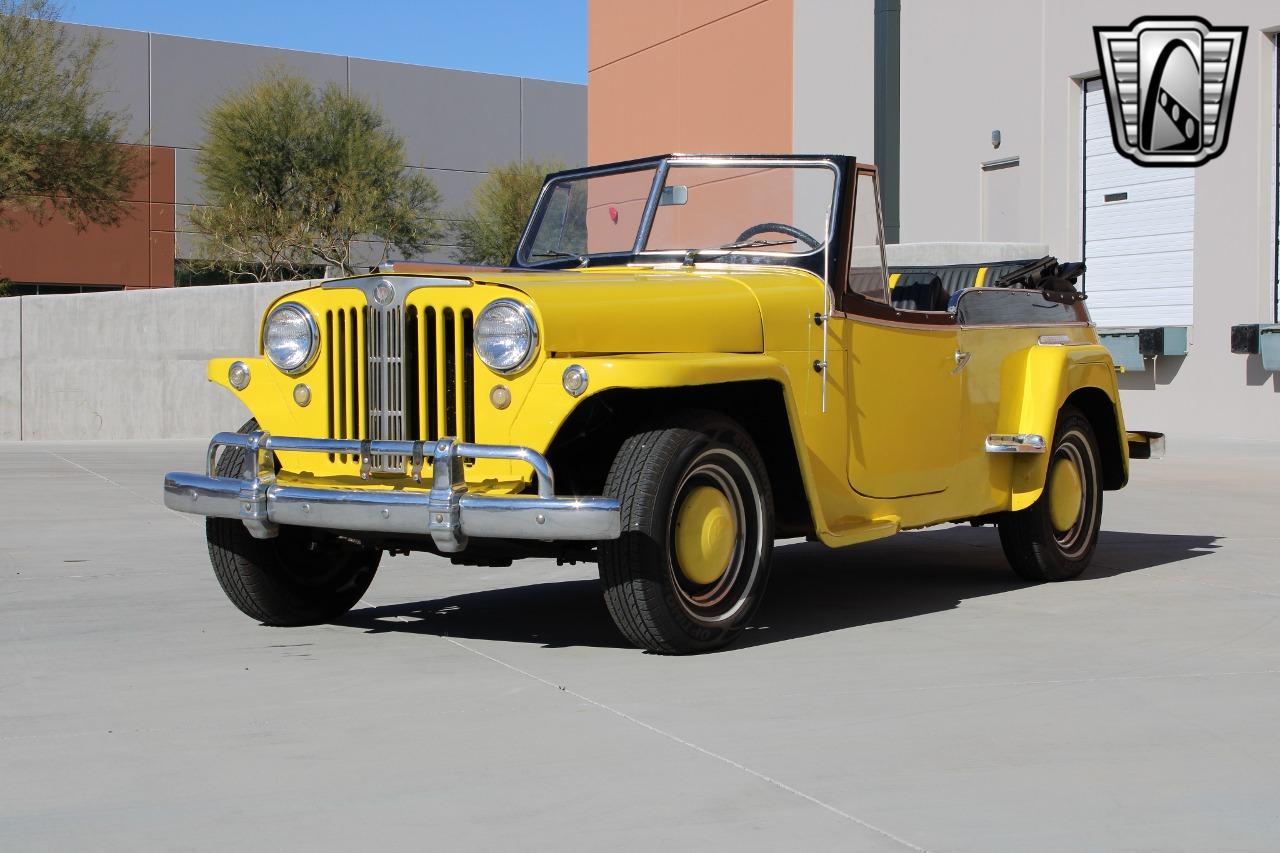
{"x": 904, "y": 695}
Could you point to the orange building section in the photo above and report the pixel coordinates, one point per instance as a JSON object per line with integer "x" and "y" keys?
{"x": 694, "y": 76}
{"x": 137, "y": 252}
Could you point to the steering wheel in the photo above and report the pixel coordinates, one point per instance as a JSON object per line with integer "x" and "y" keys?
{"x": 779, "y": 228}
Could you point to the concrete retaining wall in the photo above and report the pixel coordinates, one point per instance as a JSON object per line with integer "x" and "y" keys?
{"x": 10, "y": 367}
{"x": 125, "y": 365}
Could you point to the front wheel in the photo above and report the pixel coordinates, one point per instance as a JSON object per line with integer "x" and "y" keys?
{"x": 1053, "y": 539}
{"x": 300, "y": 577}
{"x": 690, "y": 568}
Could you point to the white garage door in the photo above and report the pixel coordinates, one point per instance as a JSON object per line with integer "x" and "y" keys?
{"x": 1138, "y": 229}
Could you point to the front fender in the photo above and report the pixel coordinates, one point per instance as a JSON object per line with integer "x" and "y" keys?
{"x": 1035, "y": 384}
{"x": 548, "y": 405}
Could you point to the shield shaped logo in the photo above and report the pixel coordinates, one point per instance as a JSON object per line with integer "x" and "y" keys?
{"x": 1170, "y": 84}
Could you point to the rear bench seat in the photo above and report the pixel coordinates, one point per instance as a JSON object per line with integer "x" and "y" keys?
{"x": 930, "y": 288}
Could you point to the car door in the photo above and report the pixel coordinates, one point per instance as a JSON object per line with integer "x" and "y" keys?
{"x": 904, "y": 391}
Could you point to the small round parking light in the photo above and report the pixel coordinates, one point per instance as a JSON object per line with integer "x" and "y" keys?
{"x": 500, "y": 396}
{"x": 238, "y": 375}
{"x": 301, "y": 394}
{"x": 575, "y": 379}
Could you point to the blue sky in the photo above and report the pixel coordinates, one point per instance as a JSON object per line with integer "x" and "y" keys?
{"x": 536, "y": 38}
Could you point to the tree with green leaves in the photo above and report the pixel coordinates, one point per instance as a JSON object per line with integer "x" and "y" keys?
{"x": 297, "y": 177}
{"x": 487, "y": 232}
{"x": 60, "y": 150}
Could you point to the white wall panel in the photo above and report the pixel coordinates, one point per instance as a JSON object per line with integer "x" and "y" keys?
{"x": 1138, "y": 245}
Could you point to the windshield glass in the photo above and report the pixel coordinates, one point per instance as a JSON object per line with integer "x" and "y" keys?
{"x": 589, "y": 215}
{"x": 705, "y": 206}
{"x": 764, "y": 209}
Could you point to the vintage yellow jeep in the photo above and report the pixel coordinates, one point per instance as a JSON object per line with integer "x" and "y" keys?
{"x": 688, "y": 358}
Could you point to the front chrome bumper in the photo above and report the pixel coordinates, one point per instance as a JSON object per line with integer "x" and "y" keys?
{"x": 449, "y": 513}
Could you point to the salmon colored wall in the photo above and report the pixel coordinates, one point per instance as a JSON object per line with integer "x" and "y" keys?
{"x": 138, "y": 252}
{"x": 695, "y": 76}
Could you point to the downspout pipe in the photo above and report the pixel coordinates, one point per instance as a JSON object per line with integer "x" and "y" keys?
{"x": 888, "y": 109}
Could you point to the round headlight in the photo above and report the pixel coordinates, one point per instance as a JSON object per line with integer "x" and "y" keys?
{"x": 506, "y": 337}
{"x": 290, "y": 338}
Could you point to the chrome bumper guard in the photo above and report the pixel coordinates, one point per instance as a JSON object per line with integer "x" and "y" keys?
{"x": 448, "y": 512}
{"x": 1145, "y": 445}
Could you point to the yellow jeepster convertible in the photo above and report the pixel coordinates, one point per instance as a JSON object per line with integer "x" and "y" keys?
{"x": 688, "y": 358}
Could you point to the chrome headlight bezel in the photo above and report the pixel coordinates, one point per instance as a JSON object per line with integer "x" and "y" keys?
{"x": 531, "y": 325}
{"x": 313, "y": 351}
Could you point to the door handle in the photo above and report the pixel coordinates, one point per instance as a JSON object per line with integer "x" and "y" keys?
{"x": 962, "y": 358}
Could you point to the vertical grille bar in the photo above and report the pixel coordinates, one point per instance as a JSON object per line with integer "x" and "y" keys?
{"x": 352, "y": 342}
{"x": 362, "y": 353}
{"x": 468, "y": 375}
{"x": 331, "y": 342}
{"x": 437, "y": 393}
{"x": 339, "y": 356}
{"x": 412, "y": 386}
{"x": 450, "y": 376}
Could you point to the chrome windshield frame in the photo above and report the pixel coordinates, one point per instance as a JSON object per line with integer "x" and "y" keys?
{"x": 840, "y": 166}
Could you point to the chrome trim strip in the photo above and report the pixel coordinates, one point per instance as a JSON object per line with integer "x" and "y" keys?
{"x": 448, "y": 512}
{"x": 1021, "y": 443}
{"x": 402, "y": 284}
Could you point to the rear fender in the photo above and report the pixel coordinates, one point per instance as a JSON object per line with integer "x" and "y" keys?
{"x": 1035, "y": 386}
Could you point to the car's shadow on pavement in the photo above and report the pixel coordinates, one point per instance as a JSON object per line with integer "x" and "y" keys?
{"x": 813, "y": 590}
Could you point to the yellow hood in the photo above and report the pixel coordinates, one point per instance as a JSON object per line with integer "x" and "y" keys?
{"x": 639, "y": 310}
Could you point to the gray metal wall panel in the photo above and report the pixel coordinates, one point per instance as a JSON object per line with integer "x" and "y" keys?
{"x": 189, "y": 75}
{"x": 449, "y": 119}
{"x": 554, "y": 121}
{"x": 455, "y": 189}
{"x": 121, "y": 75}
{"x": 186, "y": 183}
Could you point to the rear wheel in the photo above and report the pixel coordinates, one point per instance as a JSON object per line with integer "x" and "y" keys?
{"x": 1054, "y": 538}
{"x": 691, "y": 565}
{"x": 300, "y": 577}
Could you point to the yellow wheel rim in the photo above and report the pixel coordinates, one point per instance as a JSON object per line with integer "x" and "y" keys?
{"x": 1066, "y": 495}
{"x": 706, "y": 532}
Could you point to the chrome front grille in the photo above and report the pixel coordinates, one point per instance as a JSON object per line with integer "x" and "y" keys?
{"x": 385, "y": 332}
{"x": 403, "y": 373}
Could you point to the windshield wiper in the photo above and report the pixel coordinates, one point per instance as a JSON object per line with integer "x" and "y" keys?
{"x": 693, "y": 254}
{"x": 554, "y": 253}
{"x": 756, "y": 244}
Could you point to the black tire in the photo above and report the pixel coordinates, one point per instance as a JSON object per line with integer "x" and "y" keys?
{"x": 301, "y": 577}
{"x": 670, "y": 466}
{"x": 1037, "y": 548}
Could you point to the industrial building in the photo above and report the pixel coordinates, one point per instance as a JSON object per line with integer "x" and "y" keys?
{"x": 456, "y": 125}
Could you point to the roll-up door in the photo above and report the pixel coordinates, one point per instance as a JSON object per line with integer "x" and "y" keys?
{"x": 1139, "y": 224}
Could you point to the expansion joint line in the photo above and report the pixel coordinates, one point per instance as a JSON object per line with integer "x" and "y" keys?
{"x": 723, "y": 759}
